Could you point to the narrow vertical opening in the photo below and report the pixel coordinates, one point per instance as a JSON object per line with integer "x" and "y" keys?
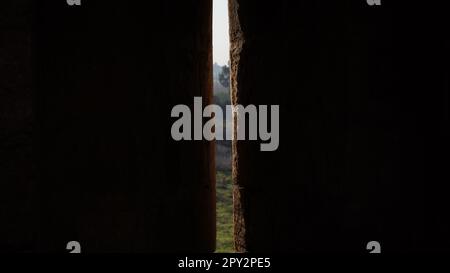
{"x": 221, "y": 71}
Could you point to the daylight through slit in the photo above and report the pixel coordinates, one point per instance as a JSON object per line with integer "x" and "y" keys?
{"x": 221, "y": 70}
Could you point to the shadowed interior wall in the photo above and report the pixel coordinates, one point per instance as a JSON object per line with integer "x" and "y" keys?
{"x": 112, "y": 177}
{"x": 363, "y": 93}
{"x": 16, "y": 116}
{"x": 109, "y": 174}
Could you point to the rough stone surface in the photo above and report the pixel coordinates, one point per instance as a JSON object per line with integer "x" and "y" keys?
{"x": 363, "y": 155}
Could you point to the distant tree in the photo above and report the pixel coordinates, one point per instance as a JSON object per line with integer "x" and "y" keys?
{"x": 224, "y": 76}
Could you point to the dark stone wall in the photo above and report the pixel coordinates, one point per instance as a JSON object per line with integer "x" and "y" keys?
{"x": 16, "y": 120}
{"x": 112, "y": 176}
{"x": 109, "y": 174}
{"x": 364, "y": 99}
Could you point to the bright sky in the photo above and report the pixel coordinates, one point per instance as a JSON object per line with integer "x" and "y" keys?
{"x": 221, "y": 38}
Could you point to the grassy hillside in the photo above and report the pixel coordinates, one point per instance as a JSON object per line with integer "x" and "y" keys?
{"x": 224, "y": 212}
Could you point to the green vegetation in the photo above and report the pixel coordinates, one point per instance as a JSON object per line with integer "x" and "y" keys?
{"x": 224, "y": 212}
{"x": 224, "y": 76}
{"x": 225, "y": 243}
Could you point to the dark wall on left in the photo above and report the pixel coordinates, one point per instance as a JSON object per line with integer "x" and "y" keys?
{"x": 108, "y": 173}
{"x": 16, "y": 119}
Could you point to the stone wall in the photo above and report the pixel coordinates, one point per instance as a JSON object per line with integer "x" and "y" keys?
{"x": 363, "y": 94}
{"x": 17, "y": 174}
{"x": 109, "y": 174}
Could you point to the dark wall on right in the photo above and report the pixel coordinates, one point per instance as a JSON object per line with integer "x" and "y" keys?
{"x": 364, "y": 94}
